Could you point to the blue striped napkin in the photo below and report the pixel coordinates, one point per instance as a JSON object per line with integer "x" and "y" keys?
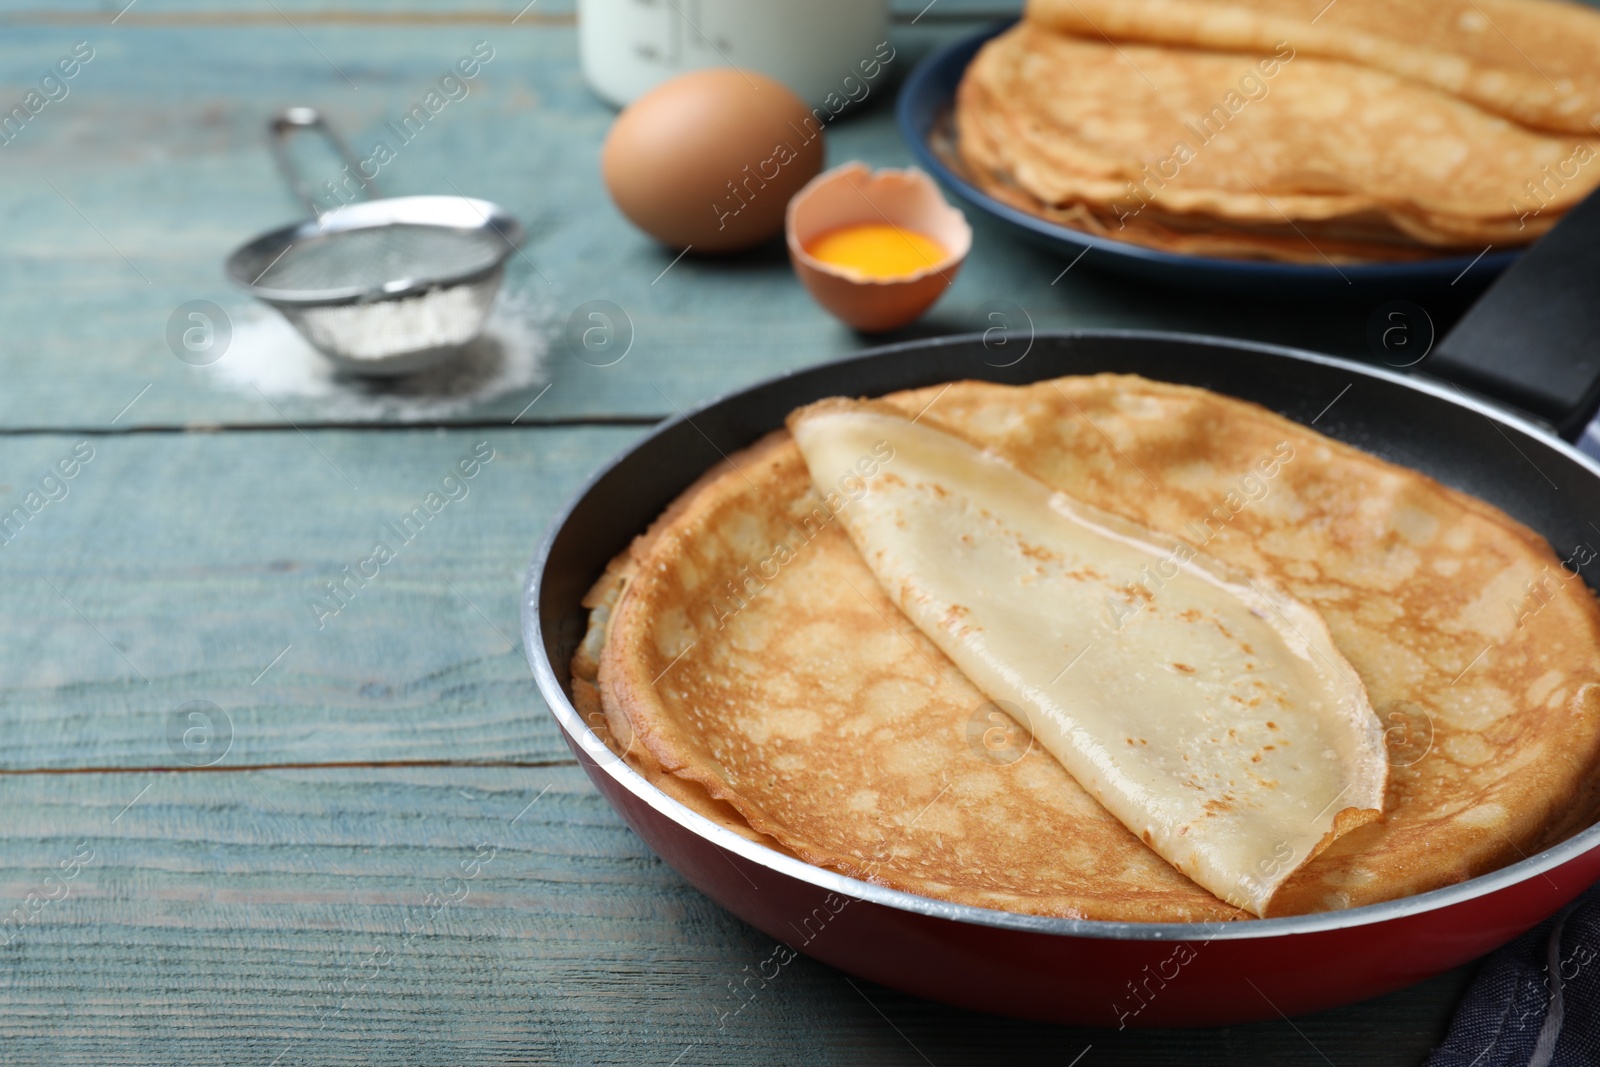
{"x": 1536, "y": 1002}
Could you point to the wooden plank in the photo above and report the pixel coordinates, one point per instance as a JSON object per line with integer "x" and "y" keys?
{"x": 124, "y": 197}
{"x": 181, "y": 567}
{"x": 146, "y": 11}
{"x": 294, "y": 917}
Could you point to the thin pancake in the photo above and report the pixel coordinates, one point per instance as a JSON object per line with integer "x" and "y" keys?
{"x": 1352, "y": 240}
{"x": 1205, "y": 708}
{"x": 831, "y": 724}
{"x": 1532, "y": 61}
{"x": 802, "y": 699}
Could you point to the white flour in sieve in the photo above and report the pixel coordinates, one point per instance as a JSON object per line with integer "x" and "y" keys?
{"x": 266, "y": 353}
{"x": 440, "y": 318}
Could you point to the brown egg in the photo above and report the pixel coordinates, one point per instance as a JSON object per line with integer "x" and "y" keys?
{"x": 711, "y": 158}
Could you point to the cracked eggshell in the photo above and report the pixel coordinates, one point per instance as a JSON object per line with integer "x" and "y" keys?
{"x": 853, "y": 194}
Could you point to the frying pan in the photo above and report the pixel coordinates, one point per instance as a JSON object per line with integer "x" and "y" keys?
{"x": 1532, "y": 340}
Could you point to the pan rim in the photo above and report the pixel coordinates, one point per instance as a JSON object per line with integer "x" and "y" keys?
{"x": 575, "y": 729}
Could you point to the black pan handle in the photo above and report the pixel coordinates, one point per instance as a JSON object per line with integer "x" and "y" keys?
{"x": 1533, "y": 338}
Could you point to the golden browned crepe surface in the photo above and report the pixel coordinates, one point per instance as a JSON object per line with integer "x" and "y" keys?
{"x": 1531, "y": 61}
{"x": 743, "y": 655}
{"x": 1241, "y": 128}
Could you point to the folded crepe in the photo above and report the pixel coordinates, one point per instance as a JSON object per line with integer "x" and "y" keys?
{"x": 1203, "y": 706}
{"x": 744, "y": 657}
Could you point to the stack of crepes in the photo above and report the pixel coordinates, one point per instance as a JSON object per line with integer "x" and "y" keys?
{"x": 1291, "y": 130}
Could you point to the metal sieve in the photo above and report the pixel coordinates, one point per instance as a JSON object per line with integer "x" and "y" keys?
{"x": 383, "y": 286}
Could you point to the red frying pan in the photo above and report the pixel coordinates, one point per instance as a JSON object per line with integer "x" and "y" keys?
{"x": 1532, "y": 340}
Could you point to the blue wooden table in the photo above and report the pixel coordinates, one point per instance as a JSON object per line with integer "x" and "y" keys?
{"x": 245, "y": 822}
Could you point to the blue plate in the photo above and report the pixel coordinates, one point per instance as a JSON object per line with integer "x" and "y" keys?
{"x": 927, "y": 98}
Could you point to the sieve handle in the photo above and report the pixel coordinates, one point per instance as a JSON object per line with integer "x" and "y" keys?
{"x": 284, "y": 125}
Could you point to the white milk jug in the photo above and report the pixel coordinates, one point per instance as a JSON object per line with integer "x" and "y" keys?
{"x": 628, "y": 47}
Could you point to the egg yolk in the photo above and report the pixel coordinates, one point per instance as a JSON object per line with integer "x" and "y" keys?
{"x": 877, "y": 250}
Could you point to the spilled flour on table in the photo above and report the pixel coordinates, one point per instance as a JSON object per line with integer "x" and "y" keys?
{"x": 268, "y": 354}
